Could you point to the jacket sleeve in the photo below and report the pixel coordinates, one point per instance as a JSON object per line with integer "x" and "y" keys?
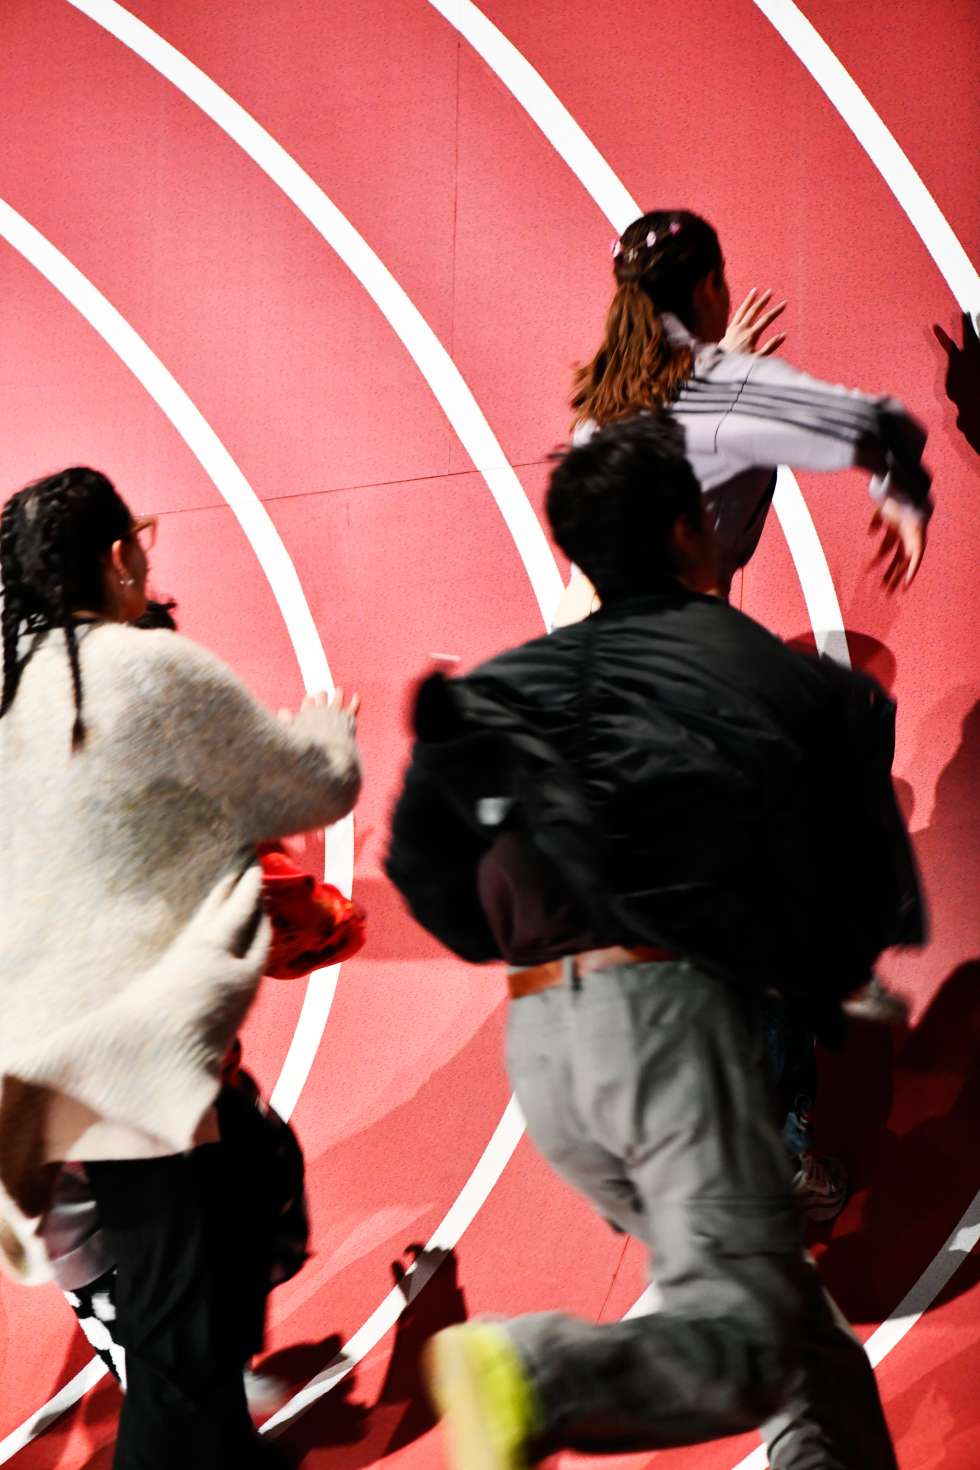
{"x": 866, "y": 869}
{"x": 433, "y": 859}
{"x": 769, "y": 413}
{"x": 221, "y": 744}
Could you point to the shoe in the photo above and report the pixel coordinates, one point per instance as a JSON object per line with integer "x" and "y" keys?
{"x": 875, "y": 1002}
{"x": 478, "y": 1386}
{"x": 820, "y": 1186}
{"x": 264, "y": 1393}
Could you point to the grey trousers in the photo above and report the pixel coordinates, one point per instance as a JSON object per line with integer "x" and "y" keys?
{"x": 644, "y": 1087}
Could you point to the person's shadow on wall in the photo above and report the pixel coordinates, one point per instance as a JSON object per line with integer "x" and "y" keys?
{"x": 401, "y": 1412}
{"x": 904, "y": 1108}
{"x": 961, "y": 383}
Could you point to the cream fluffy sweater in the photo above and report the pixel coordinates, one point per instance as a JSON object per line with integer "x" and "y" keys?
{"x": 129, "y": 945}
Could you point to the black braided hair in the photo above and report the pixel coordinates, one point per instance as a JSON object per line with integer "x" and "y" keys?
{"x": 53, "y": 537}
{"x": 13, "y": 612}
{"x": 53, "y": 563}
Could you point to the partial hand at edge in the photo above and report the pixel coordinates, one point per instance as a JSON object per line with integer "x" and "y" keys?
{"x": 902, "y": 545}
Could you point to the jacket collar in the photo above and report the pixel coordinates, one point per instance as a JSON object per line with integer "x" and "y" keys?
{"x": 677, "y": 334}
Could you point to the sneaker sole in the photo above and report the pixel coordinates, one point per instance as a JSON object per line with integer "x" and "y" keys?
{"x": 453, "y": 1373}
{"x": 820, "y": 1214}
{"x": 823, "y": 1210}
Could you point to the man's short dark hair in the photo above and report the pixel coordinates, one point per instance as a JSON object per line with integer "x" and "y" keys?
{"x": 613, "y": 502}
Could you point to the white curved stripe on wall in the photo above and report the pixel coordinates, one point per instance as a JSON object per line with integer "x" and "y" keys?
{"x": 284, "y": 583}
{"x": 816, "y": 583}
{"x": 463, "y": 413}
{"x": 192, "y": 427}
{"x": 557, "y": 124}
{"x": 437, "y": 367}
{"x": 959, "y": 1245}
{"x": 962, "y": 1240}
{"x": 464, "y": 1209}
{"x": 599, "y": 180}
{"x": 76, "y": 1388}
{"x": 474, "y": 432}
{"x": 214, "y": 459}
{"x": 509, "y": 1130}
{"x": 927, "y": 219}
{"x": 530, "y": 89}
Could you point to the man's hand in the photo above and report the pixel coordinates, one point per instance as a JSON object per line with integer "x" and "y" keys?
{"x": 903, "y": 542}
{"x": 750, "y": 321}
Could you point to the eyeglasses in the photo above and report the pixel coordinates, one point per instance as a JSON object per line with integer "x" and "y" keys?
{"x": 145, "y": 532}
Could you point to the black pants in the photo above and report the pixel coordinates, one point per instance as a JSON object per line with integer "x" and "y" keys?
{"x": 188, "y": 1307}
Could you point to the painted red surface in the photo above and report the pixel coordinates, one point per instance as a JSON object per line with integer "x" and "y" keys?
{"x": 402, "y": 553}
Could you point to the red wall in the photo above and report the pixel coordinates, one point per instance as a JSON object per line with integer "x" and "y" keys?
{"x": 402, "y": 552}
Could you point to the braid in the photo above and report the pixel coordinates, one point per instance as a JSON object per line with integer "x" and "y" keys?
{"x": 52, "y": 566}
{"x": 13, "y": 601}
{"x": 53, "y": 537}
{"x": 78, "y": 727}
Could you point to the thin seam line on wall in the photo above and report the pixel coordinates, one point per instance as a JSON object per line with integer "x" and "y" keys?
{"x": 445, "y": 381}
{"x": 408, "y": 482}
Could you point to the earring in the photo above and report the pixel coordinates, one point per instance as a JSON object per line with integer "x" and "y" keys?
{"x": 127, "y": 581}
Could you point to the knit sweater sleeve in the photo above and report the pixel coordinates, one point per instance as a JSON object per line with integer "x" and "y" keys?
{"x": 202, "y": 727}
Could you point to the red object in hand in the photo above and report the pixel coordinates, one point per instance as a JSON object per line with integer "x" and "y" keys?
{"x": 313, "y": 924}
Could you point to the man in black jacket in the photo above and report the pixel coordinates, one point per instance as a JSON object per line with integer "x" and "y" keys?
{"x": 656, "y": 816}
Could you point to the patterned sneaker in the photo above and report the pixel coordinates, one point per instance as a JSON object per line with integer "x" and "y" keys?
{"x": 820, "y": 1187}
{"x": 478, "y": 1386}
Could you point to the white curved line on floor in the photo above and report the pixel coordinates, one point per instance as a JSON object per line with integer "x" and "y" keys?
{"x": 817, "y": 585}
{"x": 275, "y": 562}
{"x": 840, "y": 88}
{"x": 599, "y": 180}
{"x": 76, "y": 1388}
{"x": 262, "y": 536}
{"x": 415, "y": 333}
{"x": 466, "y": 1206}
{"x": 464, "y": 415}
{"x": 530, "y": 89}
{"x": 473, "y": 431}
{"x": 435, "y": 364}
{"x": 961, "y": 1242}
{"x": 558, "y": 126}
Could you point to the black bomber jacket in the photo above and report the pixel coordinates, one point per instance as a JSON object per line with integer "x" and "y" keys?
{"x": 666, "y": 772}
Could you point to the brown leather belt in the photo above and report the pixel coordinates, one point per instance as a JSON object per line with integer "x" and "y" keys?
{"x": 552, "y": 972}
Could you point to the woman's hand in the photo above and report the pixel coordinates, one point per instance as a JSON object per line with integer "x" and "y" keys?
{"x": 322, "y": 700}
{"x": 903, "y": 542}
{"x": 750, "y": 321}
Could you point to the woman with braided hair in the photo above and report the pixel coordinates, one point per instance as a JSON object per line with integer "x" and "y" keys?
{"x": 670, "y": 344}
{"x": 137, "y": 777}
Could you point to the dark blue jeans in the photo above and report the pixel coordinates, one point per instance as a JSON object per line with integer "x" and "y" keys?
{"x": 793, "y": 1070}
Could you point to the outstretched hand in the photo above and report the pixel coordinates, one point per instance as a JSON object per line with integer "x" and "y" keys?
{"x": 902, "y": 545}
{"x": 749, "y": 322}
{"x": 322, "y": 700}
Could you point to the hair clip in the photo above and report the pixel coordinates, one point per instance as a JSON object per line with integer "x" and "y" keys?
{"x": 674, "y": 227}
{"x": 651, "y": 239}
{"x": 616, "y": 248}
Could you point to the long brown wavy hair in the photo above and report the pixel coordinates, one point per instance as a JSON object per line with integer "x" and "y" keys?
{"x": 658, "y": 261}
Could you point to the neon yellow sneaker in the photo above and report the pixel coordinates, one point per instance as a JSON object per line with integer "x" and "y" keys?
{"x": 478, "y": 1385}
